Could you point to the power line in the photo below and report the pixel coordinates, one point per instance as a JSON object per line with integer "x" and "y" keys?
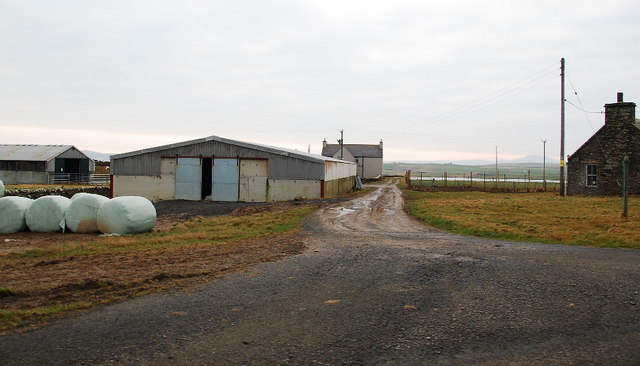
{"x": 538, "y": 78}
{"x": 583, "y": 110}
{"x": 586, "y": 114}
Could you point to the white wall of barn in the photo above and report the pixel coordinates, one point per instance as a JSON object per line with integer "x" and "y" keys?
{"x": 337, "y": 170}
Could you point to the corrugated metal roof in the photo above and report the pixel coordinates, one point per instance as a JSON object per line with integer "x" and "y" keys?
{"x": 357, "y": 150}
{"x": 32, "y": 152}
{"x": 248, "y": 145}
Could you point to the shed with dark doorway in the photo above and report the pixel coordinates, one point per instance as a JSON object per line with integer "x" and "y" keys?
{"x": 219, "y": 169}
{"x": 43, "y": 164}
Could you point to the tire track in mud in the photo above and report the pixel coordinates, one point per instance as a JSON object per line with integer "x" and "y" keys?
{"x": 381, "y": 211}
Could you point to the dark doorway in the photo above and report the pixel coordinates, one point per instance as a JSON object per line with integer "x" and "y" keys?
{"x": 72, "y": 166}
{"x": 206, "y": 177}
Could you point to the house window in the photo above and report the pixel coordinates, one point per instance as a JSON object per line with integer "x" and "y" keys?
{"x": 592, "y": 175}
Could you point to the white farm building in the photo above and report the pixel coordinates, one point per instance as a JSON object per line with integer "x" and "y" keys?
{"x": 218, "y": 169}
{"x": 367, "y": 157}
{"x": 43, "y": 164}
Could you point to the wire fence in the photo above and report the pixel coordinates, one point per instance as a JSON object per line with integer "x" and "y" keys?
{"x": 93, "y": 179}
{"x": 484, "y": 181}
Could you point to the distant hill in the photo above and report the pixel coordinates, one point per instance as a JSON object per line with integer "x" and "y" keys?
{"x": 531, "y": 159}
{"x": 97, "y": 156}
{"x": 526, "y": 159}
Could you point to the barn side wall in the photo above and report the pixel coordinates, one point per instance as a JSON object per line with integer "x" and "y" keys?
{"x": 338, "y": 187}
{"x": 24, "y": 177}
{"x": 289, "y": 189}
{"x": 369, "y": 168}
{"x": 281, "y": 166}
{"x": 154, "y": 188}
{"x": 162, "y": 187}
{"x": 335, "y": 170}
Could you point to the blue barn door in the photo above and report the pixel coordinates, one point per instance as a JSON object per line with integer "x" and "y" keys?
{"x": 225, "y": 180}
{"x": 188, "y": 179}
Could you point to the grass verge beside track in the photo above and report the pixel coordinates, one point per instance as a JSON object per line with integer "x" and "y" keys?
{"x": 532, "y": 217}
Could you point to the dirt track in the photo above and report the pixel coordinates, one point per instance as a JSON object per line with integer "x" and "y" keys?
{"x": 374, "y": 287}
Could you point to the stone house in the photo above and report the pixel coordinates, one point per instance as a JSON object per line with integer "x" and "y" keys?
{"x": 596, "y": 167}
{"x": 367, "y": 157}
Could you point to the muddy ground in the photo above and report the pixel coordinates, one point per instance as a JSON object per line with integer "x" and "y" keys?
{"x": 89, "y": 279}
{"x": 374, "y": 287}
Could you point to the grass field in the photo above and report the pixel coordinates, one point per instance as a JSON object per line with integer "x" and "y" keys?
{"x": 105, "y": 269}
{"x": 534, "y": 217}
{"x": 198, "y": 230}
{"x": 487, "y": 184}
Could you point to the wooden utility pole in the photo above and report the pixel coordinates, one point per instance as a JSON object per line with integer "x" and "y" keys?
{"x": 563, "y": 188}
{"x": 544, "y": 164}
{"x": 625, "y": 187}
{"x": 341, "y": 141}
{"x": 497, "y": 177}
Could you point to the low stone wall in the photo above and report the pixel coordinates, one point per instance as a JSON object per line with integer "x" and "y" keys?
{"x": 65, "y": 191}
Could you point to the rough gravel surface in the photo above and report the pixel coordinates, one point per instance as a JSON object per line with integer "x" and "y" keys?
{"x": 374, "y": 288}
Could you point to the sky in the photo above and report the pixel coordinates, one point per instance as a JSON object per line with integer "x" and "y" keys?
{"x": 434, "y": 80}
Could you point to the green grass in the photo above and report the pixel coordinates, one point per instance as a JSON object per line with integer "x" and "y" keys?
{"x": 533, "y": 217}
{"x": 521, "y": 185}
{"x": 220, "y": 230}
{"x": 12, "y": 317}
{"x": 195, "y": 231}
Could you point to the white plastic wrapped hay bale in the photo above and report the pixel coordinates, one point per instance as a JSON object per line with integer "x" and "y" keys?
{"x": 126, "y": 215}
{"x": 80, "y": 194}
{"x": 82, "y": 214}
{"x": 46, "y": 214}
{"x": 12, "y": 214}
{"x": 1, "y": 189}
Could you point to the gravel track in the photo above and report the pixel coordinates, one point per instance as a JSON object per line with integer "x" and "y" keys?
{"x": 374, "y": 288}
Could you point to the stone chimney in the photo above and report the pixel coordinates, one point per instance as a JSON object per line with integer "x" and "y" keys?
{"x": 380, "y": 144}
{"x": 324, "y": 143}
{"x": 620, "y": 112}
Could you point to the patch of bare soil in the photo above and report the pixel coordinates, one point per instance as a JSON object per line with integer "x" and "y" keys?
{"x": 92, "y": 279}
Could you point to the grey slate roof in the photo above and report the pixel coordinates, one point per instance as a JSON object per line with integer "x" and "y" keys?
{"x": 248, "y": 145}
{"x": 357, "y": 150}
{"x": 32, "y": 152}
{"x": 636, "y": 123}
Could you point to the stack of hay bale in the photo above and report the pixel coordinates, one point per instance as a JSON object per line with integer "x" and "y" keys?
{"x": 83, "y": 213}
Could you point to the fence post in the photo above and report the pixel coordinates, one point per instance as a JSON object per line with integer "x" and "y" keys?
{"x": 445, "y": 179}
{"x": 625, "y": 187}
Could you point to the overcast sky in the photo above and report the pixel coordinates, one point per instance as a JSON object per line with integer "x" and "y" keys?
{"x": 435, "y": 80}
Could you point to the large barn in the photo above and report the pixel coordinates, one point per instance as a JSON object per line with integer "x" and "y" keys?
{"x": 218, "y": 169}
{"x": 43, "y": 164}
